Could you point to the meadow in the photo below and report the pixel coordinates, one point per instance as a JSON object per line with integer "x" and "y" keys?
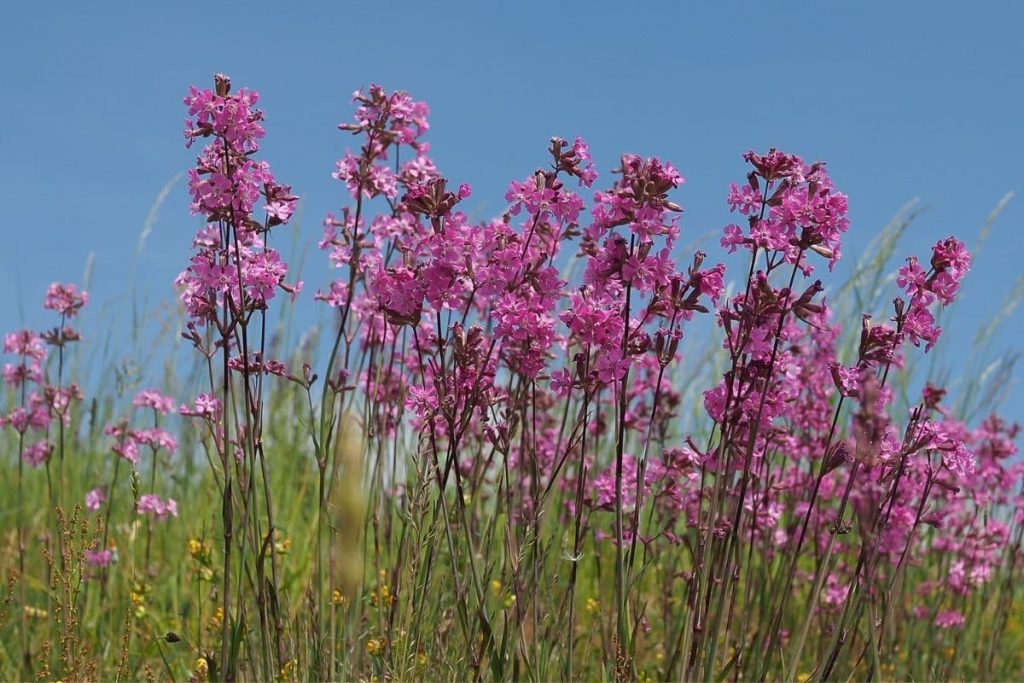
{"x": 560, "y": 444}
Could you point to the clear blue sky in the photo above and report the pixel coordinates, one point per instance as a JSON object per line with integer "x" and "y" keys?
{"x": 903, "y": 100}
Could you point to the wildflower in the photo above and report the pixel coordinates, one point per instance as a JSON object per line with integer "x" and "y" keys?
{"x": 25, "y": 343}
{"x": 199, "y": 550}
{"x": 288, "y": 670}
{"x": 65, "y": 299}
{"x": 95, "y": 498}
{"x": 38, "y": 453}
{"x": 161, "y": 509}
{"x": 949, "y": 619}
{"x": 205, "y": 406}
{"x": 225, "y": 186}
{"x": 202, "y": 670}
{"x": 99, "y": 558}
{"x": 151, "y": 398}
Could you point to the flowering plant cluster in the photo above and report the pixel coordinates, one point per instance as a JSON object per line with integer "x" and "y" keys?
{"x": 463, "y": 321}
{"x": 502, "y": 456}
{"x": 48, "y": 403}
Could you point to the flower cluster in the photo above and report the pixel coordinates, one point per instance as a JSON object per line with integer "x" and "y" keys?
{"x": 791, "y": 207}
{"x": 522, "y": 380}
{"x": 38, "y": 408}
{"x": 150, "y": 504}
{"x": 233, "y": 271}
{"x": 949, "y": 263}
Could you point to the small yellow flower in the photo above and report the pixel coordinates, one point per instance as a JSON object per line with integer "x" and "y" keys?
{"x": 202, "y": 670}
{"x": 217, "y": 619}
{"x": 510, "y": 600}
{"x": 35, "y": 612}
{"x": 374, "y": 647}
{"x": 338, "y": 599}
{"x": 288, "y": 670}
{"x": 496, "y": 588}
{"x": 803, "y": 678}
{"x": 593, "y": 606}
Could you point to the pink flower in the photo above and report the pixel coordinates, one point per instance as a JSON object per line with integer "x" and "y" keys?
{"x": 155, "y": 438}
{"x": 611, "y": 368}
{"x": 25, "y": 343}
{"x": 711, "y": 282}
{"x": 399, "y": 293}
{"x": 161, "y": 509}
{"x": 914, "y": 281}
{"x": 99, "y": 558}
{"x": 949, "y": 619}
{"x": 732, "y": 237}
{"x": 746, "y": 200}
{"x": 422, "y": 401}
{"x": 38, "y": 453}
{"x": 95, "y": 498}
{"x": 16, "y": 375}
{"x": 951, "y": 254}
{"x": 336, "y": 297}
{"x": 584, "y": 166}
{"x": 127, "y": 449}
{"x": 561, "y": 382}
{"x": 232, "y": 117}
{"x": 205, "y": 406}
{"x": 806, "y": 213}
{"x": 151, "y": 398}
{"x": 65, "y": 299}
{"x": 919, "y": 326}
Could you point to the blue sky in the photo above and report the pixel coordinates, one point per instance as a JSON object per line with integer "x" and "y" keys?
{"x": 903, "y": 100}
